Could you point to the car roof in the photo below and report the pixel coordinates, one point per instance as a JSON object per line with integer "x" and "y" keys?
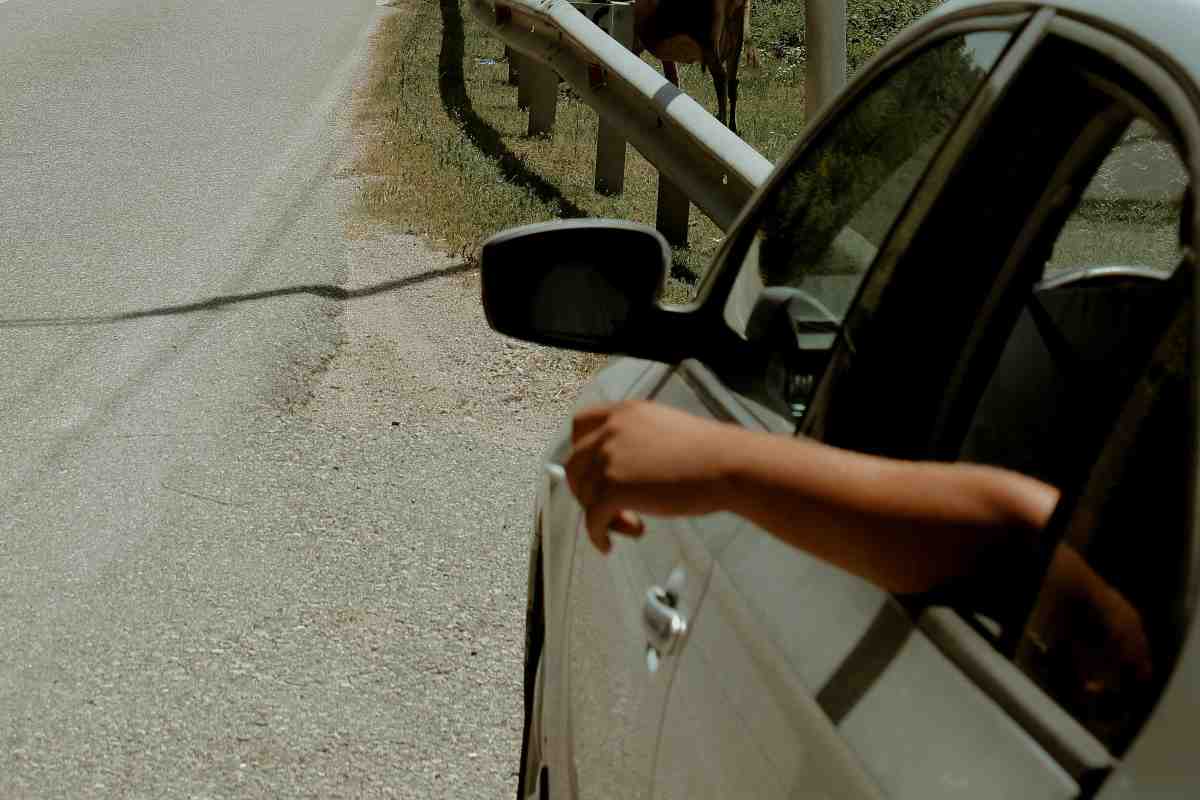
{"x": 1169, "y": 25}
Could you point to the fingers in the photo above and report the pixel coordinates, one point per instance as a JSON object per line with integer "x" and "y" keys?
{"x": 588, "y": 420}
{"x": 597, "y": 531}
{"x": 585, "y": 469}
{"x": 601, "y": 520}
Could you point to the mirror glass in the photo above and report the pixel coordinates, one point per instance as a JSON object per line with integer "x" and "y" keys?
{"x": 576, "y": 299}
{"x": 582, "y": 284}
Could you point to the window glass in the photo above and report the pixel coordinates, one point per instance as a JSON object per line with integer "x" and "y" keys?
{"x": 1129, "y": 213}
{"x": 820, "y": 228}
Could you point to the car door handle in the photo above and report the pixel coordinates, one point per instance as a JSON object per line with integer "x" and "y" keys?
{"x": 664, "y": 623}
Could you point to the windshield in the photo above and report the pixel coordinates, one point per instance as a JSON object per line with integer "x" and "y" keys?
{"x": 819, "y": 229}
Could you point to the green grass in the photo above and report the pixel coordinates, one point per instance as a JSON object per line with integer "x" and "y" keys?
{"x": 446, "y": 153}
{"x": 779, "y": 31}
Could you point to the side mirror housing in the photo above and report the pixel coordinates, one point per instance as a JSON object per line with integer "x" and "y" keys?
{"x": 587, "y": 284}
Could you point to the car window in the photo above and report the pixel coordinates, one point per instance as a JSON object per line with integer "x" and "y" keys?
{"x": 821, "y": 226}
{"x": 1129, "y": 213}
{"x": 1112, "y": 609}
{"x": 1091, "y": 392}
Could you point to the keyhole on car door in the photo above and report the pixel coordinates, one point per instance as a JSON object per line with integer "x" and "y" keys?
{"x": 664, "y": 618}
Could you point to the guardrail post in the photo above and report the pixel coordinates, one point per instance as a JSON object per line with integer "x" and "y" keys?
{"x": 543, "y": 97}
{"x": 825, "y": 23}
{"x": 510, "y": 56}
{"x": 671, "y": 216}
{"x": 524, "y": 79}
{"x": 610, "y": 145}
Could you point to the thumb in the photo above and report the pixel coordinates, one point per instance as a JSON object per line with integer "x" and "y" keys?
{"x": 597, "y": 521}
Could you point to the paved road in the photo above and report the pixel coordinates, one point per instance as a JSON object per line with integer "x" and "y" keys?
{"x": 233, "y": 562}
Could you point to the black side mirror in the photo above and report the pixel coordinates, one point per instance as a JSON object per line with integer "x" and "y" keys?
{"x": 586, "y": 284}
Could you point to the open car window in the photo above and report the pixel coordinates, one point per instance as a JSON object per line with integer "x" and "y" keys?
{"x": 1128, "y": 216}
{"x": 1082, "y": 377}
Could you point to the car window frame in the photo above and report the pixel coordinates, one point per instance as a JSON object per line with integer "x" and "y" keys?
{"x": 956, "y": 150}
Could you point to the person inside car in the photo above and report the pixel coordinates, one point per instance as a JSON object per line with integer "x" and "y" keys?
{"x": 912, "y": 528}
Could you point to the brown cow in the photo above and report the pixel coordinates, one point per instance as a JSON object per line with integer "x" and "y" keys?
{"x": 708, "y": 32}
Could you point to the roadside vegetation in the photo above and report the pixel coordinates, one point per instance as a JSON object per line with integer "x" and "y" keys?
{"x": 446, "y": 152}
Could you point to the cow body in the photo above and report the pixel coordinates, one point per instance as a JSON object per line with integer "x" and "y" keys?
{"x": 708, "y": 32}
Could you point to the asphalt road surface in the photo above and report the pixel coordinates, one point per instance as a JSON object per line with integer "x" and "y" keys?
{"x": 264, "y": 473}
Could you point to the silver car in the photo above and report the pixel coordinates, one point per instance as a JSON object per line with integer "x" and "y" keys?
{"x": 981, "y": 251}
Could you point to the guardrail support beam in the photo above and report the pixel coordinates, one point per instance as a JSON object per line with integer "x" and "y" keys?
{"x": 610, "y": 144}
{"x": 543, "y": 97}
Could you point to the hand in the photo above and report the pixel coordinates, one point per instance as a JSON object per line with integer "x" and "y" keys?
{"x": 638, "y": 456}
{"x": 1095, "y": 648}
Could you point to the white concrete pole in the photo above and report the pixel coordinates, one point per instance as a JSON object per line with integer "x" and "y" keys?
{"x": 825, "y": 23}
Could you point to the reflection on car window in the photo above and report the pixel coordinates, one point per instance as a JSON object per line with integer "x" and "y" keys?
{"x": 1129, "y": 213}
{"x": 821, "y": 227}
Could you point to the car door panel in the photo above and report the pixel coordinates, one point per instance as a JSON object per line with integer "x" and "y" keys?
{"x": 814, "y": 612}
{"x": 615, "y": 697}
{"x": 924, "y": 730}
{"x": 740, "y": 723}
{"x": 561, "y": 549}
{"x": 739, "y": 720}
{"x": 615, "y": 689}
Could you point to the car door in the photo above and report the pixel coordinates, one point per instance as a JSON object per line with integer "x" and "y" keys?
{"x": 795, "y": 682}
{"x": 619, "y": 653}
{"x": 780, "y": 647}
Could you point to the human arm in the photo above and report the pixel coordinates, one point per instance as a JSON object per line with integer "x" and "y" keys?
{"x": 906, "y": 526}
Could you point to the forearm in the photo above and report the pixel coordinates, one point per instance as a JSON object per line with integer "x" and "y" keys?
{"x": 906, "y": 526}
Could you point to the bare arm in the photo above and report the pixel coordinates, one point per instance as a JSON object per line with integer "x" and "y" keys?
{"x": 906, "y": 526}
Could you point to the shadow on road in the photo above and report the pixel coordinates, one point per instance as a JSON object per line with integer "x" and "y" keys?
{"x": 214, "y": 303}
{"x": 453, "y": 89}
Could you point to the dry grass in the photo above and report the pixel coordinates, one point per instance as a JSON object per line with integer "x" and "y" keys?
{"x": 447, "y": 155}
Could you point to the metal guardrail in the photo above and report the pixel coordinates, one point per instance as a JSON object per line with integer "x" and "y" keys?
{"x": 706, "y": 161}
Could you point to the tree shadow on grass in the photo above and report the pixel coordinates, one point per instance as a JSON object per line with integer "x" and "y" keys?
{"x": 327, "y": 291}
{"x": 453, "y": 89}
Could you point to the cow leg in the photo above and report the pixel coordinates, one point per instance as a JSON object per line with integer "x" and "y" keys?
{"x": 720, "y": 83}
{"x": 733, "y": 87}
{"x": 736, "y": 30}
{"x": 671, "y": 71}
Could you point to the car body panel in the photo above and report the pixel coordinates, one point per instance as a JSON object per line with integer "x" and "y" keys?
{"x": 1170, "y": 25}
{"x": 739, "y": 723}
{"x": 559, "y": 519}
{"x": 815, "y": 613}
{"x": 927, "y": 731}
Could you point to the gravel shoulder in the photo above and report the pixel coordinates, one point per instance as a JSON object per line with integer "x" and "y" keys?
{"x": 439, "y": 425}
